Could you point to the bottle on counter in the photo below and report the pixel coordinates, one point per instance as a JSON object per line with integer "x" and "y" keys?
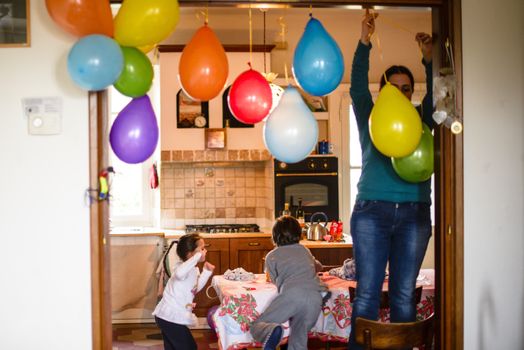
{"x": 286, "y": 211}
{"x": 300, "y": 213}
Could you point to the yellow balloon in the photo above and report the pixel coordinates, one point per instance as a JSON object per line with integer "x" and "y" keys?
{"x": 140, "y": 23}
{"x": 395, "y": 126}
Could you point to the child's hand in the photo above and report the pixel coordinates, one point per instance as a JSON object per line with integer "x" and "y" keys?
{"x": 208, "y": 266}
{"x": 203, "y": 257}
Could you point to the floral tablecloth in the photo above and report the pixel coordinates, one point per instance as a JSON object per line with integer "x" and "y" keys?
{"x": 242, "y": 302}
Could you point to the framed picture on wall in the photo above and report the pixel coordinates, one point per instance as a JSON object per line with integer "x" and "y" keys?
{"x": 215, "y": 138}
{"x": 14, "y": 23}
{"x": 191, "y": 114}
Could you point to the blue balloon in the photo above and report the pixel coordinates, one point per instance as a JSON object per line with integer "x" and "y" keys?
{"x": 95, "y": 62}
{"x": 291, "y": 130}
{"x": 318, "y": 64}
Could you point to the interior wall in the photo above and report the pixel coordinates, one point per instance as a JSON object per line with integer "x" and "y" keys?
{"x": 45, "y": 299}
{"x": 493, "y": 68}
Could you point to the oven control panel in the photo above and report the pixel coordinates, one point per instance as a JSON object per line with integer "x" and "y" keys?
{"x": 308, "y": 165}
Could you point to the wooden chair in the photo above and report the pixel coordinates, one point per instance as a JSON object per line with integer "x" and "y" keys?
{"x": 384, "y": 296}
{"x": 380, "y": 335}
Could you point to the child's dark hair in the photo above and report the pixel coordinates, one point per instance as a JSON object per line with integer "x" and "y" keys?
{"x": 397, "y": 70}
{"x": 286, "y": 231}
{"x": 186, "y": 244}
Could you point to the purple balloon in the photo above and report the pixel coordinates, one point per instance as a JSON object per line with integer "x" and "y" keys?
{"x": 134, "y": 134}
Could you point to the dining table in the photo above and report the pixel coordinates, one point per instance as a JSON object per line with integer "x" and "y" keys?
{"x": 242, "y": 302}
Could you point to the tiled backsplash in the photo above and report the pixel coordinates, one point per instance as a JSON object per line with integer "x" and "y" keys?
{"x": 216, "y": 193}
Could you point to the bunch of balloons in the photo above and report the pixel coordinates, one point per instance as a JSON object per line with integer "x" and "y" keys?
{"x": 112, "y": 52}
{"x": 396, "y": 131}
{"x": 291, "y": 131}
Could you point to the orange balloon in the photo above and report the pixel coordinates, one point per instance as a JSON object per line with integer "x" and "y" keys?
{"x": 82, "y": 17}
{"x": 203, "y": 66}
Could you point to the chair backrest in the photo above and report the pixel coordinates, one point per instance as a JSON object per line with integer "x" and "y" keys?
{"x": 381, "y": 335}
{"x": 384, "y": 296}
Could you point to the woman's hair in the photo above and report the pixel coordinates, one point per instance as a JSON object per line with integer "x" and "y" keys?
{"x": 397, "y": 70}
{"x": 286, "y": 230}
{"x": 187, "y": 244}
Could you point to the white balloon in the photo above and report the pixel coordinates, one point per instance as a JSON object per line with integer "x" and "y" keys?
{"x": 291, "y": 130}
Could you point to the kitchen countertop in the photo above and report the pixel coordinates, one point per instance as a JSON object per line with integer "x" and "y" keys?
{"x": 172, "y": 234}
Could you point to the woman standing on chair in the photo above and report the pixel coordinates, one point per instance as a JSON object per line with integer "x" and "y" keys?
{"x": 391, "y": 218}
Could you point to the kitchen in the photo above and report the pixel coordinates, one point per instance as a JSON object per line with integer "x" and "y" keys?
{"x": 44, "y": 181}
{"x": 239, "y": 183}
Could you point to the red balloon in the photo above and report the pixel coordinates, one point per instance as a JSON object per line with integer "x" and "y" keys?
{"x": 203, "y": 66}
{"x": 82, "y": 17}
{"x": 250, "y": 97}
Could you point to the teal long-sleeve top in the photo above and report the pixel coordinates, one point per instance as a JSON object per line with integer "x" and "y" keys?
{"x": 378, "y": 180}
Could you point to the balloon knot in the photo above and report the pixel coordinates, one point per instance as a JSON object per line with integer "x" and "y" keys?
{"x": 249, "y": 64}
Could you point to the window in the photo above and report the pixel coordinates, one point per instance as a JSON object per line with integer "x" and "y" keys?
{"x": 132, "y": 200}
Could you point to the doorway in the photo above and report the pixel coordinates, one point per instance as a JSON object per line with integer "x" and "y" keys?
{"x": 448, "y": 201}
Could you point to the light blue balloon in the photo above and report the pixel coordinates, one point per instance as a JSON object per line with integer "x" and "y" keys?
{"x": 95, "y": 62}
{"x": 291, "y": 130}
{"x": 318, "y": 64}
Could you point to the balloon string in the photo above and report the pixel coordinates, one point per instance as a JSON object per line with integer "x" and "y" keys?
{"x": 156, "y": 54}
{"x": 282, "y": 24}
{"x": 207, "y": 15}
{"x": 396, "y": 25}
{"x": 399, "y": 26}
{"x": 376, "y": 38}
{"x": 310, "y": 10}
{"x": 250, "y": 36}
{"x": 264, "y": 12}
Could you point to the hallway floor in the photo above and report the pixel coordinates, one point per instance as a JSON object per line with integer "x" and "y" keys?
{"x": 140, "y": 336}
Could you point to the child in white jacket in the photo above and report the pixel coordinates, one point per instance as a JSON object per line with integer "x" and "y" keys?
{"x": 174, "y": 312}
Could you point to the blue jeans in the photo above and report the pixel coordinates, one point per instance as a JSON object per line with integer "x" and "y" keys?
{"x": 386, "y": 231}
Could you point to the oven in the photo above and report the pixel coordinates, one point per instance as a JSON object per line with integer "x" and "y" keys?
{"x": 313, "y": 180}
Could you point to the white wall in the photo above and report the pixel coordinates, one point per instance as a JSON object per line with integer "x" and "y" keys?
{"x": 493, "y": 174}
{"x": 45, "y": 298}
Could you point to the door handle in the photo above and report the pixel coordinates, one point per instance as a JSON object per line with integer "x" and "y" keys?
{"x": 253, "y": 244}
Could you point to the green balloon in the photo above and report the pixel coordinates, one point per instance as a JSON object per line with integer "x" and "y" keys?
{"x": 137, "y": 75}
{"x": 418, "y": 166}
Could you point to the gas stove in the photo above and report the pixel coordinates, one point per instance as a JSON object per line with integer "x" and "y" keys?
{"x": 223, "y": 228}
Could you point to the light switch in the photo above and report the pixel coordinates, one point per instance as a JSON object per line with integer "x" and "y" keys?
{"x": 44, "y": 124}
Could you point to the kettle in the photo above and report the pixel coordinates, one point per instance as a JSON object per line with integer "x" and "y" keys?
{"x": 316, "y": 230}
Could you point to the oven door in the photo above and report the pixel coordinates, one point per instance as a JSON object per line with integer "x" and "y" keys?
{"x": 319, "y": 192}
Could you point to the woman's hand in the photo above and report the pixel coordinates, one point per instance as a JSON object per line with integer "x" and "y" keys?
{"x": 425, "y": 42}
{"x": 368, "y": 27}
{"x": 208, "y": 266}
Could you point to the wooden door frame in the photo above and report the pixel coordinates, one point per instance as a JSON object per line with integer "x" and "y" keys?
{"x": 449, "y": 187}
{"x": 99, "y": 223}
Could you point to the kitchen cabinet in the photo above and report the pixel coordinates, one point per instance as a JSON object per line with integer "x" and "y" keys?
{"x": 218, "y": 255}
{"x": 332, "y": 256}
{"x": 249, "y": 253}
{"x": 230, "y": 253}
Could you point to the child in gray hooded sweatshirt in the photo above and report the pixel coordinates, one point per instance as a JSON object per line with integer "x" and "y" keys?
{"x": 293, "y": 269}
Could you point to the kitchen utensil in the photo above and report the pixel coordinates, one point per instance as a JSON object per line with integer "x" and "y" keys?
{"x": 315, "y": 229}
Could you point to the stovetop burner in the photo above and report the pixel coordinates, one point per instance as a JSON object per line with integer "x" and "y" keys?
{"x": 223, "y": 228}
